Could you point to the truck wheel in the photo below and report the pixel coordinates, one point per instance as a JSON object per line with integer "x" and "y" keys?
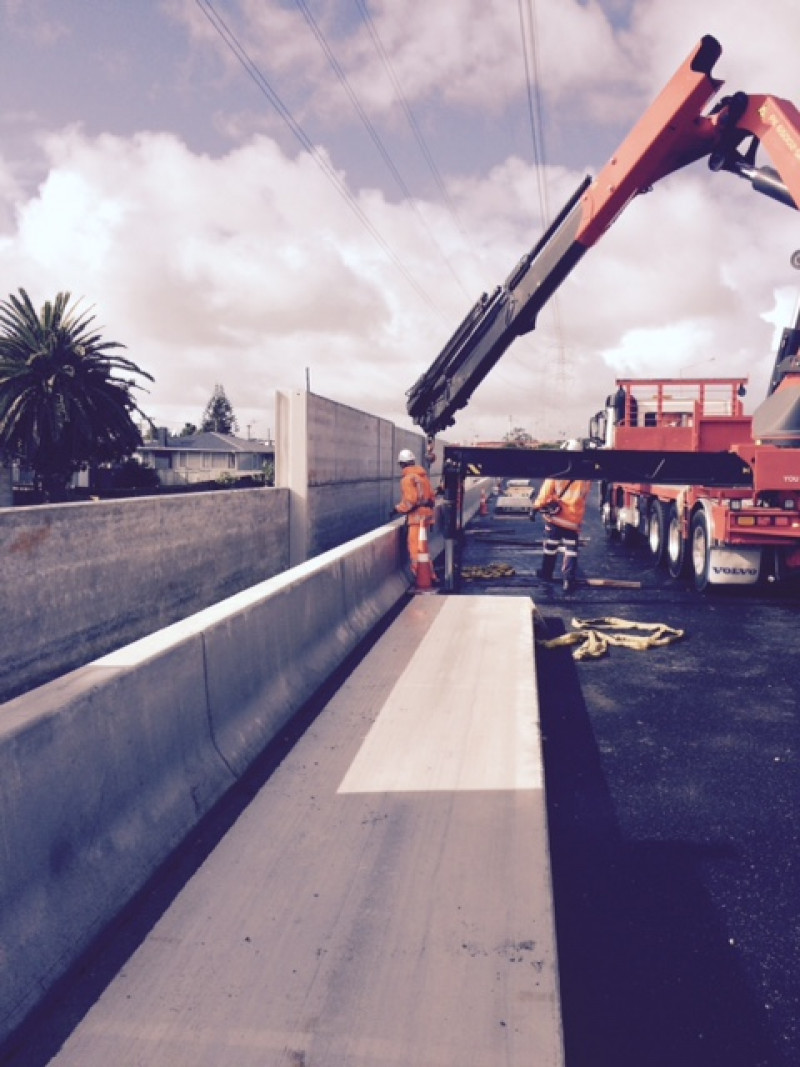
{"x": 700, "y": 544}
{"x": 677, "y": 548}
{"x": 609, "y": 520}
{"x": 657, "y": 532}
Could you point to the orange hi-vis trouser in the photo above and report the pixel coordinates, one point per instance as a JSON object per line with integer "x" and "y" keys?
{"x": 418, "y": 518}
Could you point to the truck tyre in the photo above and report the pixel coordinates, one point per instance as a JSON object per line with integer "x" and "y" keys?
{"x": 677, "y": 548}
{"x": 657, "y": 532}
{"x": 609, "y": 520}
{"x": 700, "y": 550}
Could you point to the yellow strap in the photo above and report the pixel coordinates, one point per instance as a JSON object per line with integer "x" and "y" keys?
{"x": 593, "y": 642}
{"x": 493, "y": 570}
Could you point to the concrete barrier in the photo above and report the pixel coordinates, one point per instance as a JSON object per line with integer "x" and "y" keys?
{"x": 105, "y": 770}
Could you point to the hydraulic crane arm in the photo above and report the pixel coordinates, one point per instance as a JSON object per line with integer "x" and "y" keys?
{"x": 672, "y": 133}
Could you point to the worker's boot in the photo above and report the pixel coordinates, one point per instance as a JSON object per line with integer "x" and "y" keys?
{"x": 545, "y": 572}
{"x": 569, "y": 572}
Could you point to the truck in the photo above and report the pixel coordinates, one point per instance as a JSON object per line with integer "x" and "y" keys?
{"x": 719, "y": 535}
{"x": 685, "y": 123}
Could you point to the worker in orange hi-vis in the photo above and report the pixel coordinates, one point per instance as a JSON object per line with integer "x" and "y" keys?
{"x": 417, "y": 503}
{"x": 563, "y": 504}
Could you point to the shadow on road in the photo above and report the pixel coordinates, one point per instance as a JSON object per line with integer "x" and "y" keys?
{"x": 648, "y": 976}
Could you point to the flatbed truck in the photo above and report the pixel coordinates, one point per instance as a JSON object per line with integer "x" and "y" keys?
{"x": 719, "y": 535}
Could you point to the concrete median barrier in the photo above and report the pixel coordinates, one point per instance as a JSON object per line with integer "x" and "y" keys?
{"x": 104, "y": 771}
{"x": 264, "y": 660}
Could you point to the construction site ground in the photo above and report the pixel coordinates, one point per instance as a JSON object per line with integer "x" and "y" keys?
{"x": 673, "y": 778}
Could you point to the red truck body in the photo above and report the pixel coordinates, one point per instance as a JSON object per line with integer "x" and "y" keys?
{"x": 734, "y": 535}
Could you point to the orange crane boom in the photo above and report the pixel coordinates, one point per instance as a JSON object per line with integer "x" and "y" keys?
{"x": 674, "y": 132}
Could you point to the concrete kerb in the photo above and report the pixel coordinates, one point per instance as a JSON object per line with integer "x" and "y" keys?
{"x": 104, "y": 771}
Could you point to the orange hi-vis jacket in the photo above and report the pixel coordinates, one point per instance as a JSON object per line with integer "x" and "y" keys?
{"x": 418, "y": 497}
{"x": 571, "y": 496}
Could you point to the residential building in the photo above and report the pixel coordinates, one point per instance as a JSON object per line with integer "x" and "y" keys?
{"x": 204, "y": 457}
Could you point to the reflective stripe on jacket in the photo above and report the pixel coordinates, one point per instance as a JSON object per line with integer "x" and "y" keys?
{"x": 571, "y": 496}
{"x": 418, "y": 497}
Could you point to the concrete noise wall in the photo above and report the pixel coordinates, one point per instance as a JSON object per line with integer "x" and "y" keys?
{"x": 81, "y": 579}
{"x": 340, "y": 466}
{"x": 104, "y": 771}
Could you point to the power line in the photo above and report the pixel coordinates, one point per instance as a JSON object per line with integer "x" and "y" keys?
{"x": 374, "y": 135}
{"x": 253, "y": 71}
{"x": 529, "y": 44}
{"x": 411, "y": 119}
{"x": 533, "y": 82}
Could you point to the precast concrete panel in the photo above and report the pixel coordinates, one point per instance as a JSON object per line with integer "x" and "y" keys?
{"x": 385, "y": 899}
{"x": 387, "y": 459}
{"x": 343, "y": 443}
{"x": 338, "y": 513}
{"x": 81, "y": 579}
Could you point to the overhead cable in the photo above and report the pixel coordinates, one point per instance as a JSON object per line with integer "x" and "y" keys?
{"x": 373, "y": 133}
{"x": 529, "y": 44}
{"x": 411, "y": 119}
{"x": 253, "y": 71}
{"x": 529, "y": 37}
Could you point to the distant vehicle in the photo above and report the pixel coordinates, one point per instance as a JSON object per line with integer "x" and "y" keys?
{"x": 515, "y": 496}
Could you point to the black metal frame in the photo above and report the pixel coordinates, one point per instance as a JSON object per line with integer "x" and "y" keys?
{"x": 711, "y": 469}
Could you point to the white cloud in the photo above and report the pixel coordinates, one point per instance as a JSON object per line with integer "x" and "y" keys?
{"x": 758, "y": 41}
{"x": 243, "y": 269}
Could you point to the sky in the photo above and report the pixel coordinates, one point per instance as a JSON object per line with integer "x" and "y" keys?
{"x": 282, "y": 194}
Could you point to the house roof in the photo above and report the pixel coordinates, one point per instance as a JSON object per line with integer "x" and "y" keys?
{"x": 209, "y": 442}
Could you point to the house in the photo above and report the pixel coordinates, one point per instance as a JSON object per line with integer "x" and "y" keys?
{"x": 204, "y": 457}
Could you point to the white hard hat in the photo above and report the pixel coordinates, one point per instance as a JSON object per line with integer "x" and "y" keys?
{"x": 406, "y": 456}
{"x": 574, "y": 445}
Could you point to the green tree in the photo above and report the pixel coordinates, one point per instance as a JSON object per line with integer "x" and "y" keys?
{"x": 62, "y": 404}
{"x": 189, "y": 430}
{"x": 218, "y": 416}
{"x": 518, "y": 438}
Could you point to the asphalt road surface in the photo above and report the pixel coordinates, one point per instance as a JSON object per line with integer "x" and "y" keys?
{"x": 673, "y": 780}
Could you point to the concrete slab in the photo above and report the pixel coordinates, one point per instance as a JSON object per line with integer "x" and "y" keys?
{"x": 386, "y": 899}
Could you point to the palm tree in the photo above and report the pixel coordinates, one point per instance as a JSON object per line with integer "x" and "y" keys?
{"x": 61, "y": 404}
